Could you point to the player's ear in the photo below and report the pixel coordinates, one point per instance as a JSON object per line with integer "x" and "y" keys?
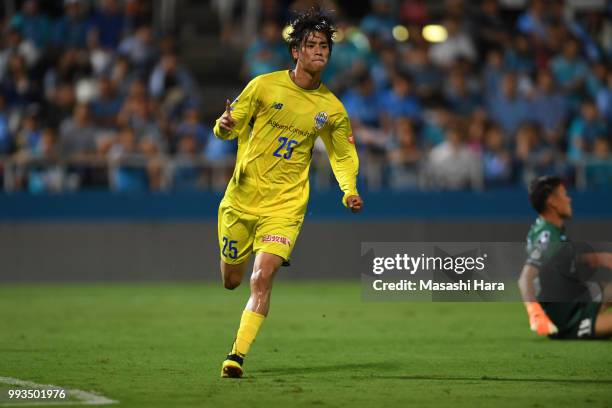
{"x": 294, "y": 52}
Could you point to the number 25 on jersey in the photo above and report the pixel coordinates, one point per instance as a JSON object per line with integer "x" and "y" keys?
{"x": 286, "y": 146}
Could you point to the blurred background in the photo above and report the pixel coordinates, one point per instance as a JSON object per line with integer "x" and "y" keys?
{"x": 107, "y": 106}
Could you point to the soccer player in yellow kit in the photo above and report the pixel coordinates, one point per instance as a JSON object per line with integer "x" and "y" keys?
{"x": 277, "y": 118}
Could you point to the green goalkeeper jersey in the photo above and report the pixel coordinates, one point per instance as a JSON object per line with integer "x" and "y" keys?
{"x": 562, "y": 291}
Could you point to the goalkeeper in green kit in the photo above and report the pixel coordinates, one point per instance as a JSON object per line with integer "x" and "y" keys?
{"x": 556, "y": 283}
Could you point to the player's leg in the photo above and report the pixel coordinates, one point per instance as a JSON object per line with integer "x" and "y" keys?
{"x": 232, "y": 274}
{"x": 265, "y": 268}
{"x": 273, "y": 243}
{"x": 236, "y": 234}
{"x": 603, "y": 323}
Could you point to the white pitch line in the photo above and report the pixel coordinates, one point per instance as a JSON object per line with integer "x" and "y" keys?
{"x": 85, "y": 398}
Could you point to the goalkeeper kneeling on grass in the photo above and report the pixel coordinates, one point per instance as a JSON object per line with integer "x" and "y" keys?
{"x": 564, "y": 298}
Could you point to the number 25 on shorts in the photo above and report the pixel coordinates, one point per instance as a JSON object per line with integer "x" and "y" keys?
{"x": 229, "y": 249}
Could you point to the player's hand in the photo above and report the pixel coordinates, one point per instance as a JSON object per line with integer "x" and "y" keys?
{"x": 539, "y": 322}
{"x": 355, "y": 203}
{"x": 227, "y": 123}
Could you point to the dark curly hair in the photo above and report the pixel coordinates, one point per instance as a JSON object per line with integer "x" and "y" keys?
{"x": 540, "y": 189}
{"x": 308, "y": 22}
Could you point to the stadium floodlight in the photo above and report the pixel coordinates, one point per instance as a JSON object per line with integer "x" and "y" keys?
{"x": 435, "y": 33}
{"x": 358, "y": 38}
{"x": 339, "y": 36}
{"x": 287, "y": 31}
{"x": 400, "y": 33}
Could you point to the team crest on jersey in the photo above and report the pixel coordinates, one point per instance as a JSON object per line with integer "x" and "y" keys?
{"x": 320, "y": 120}
{"x": 276, "y": 238}
{"x": 543, "y": 239}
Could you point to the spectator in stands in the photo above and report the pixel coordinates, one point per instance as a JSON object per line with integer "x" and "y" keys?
{"x": 108, "y": 23}
{"x": 548, "y": 106}
{"x": 492, "y": 74}
{"x": 18, "y": 87}
{"x": 28, "y": 136}
{"x": 35, "y": 26}
{"x": 140, "y": 49}
{"x": 595, "y": 79}
{"x": 490, "y": 27}
{"x": 476, "y": 126}
{"x": 187, "y": 173}
{"x": 267, "y": 53}
{"x": 349, "y": 61}
{"x": 363, "y": 103}
{"x": 604, "y": 99}
{"x": 496, "y": 159}
{"x": 381, "y": 20}
{"x": 364, "y": 106}
{"x": 106, "y": 105}
{"x": 533, "y": 21}
{"x": 598, "y": 168}
{"x": 77, "y": 135}
{"x": 192, "y": 125}
{"x": 584, "y": 131}
{"x": 71, "y": 29}
{"x": 404, "y": 156}
{"x": 122, "y": 75}
{"x": 129, "y": 173}
{"x": 400, "y": 100}
{"x": 45, "y": 173}
{"x": 435, "y": 122}
{"x": 60, "y": 104}
{"x": 508, "y": 108}
{"x": 569, "y": 69}
{"x": 16, "y": 44}
{"x": 6, "y": 140}
{"x": 138, "y": 114}
{"x": 100, "y": 58}
{"x": 451, "y": 165}
{"x": 172, "y": 84}
{"x": 427, "y": 77}
{"x": 535, "y": 157}
{"x": 458, "y": 97}
{"x": 414, "y": 12}
{"x": 457, "y": 45}
{"x": 519, "y": 56}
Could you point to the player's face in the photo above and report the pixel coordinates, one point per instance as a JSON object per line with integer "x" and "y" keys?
{"x": 314, "y": 52}
{"x": 561, "y": 202}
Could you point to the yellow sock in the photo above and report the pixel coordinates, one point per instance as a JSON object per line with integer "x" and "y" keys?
{"x": 249, "y": 326}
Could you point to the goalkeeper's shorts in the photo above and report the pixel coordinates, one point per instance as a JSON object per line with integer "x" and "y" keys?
{"x": 581, "y": 325}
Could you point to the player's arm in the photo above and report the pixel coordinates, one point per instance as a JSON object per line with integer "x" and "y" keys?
{"x": 238, "y": 113}
{"x": 538, "y": 320}
{"x": 344, "y": 161}
{"x": 597, "y": 259}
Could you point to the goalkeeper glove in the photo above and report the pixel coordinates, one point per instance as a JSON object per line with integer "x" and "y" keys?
{"x": 538, "y": 321}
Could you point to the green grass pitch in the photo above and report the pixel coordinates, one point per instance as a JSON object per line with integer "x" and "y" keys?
{"x": 161, "y": 345}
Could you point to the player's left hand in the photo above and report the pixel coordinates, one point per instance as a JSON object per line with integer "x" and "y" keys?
{"x": 539, "y": 322}
{"x": 355, "y": 203}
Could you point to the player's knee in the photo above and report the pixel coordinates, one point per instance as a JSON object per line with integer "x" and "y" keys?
{"x": 231, "y": 282}
{"x": 261, "y": 279}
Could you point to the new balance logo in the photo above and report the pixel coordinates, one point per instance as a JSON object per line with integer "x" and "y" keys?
{"x": 277, "y": 105}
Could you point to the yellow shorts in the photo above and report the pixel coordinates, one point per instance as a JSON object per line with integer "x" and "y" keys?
{"x": 241, "y": 234}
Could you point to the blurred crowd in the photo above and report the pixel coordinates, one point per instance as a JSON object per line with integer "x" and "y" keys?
{"x": 88, "y": 83}
{"x": 446, "y": 94}
{"x": 502, "y": 95}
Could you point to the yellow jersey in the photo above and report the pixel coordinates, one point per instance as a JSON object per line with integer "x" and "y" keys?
{"x": 277, "y": 123}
